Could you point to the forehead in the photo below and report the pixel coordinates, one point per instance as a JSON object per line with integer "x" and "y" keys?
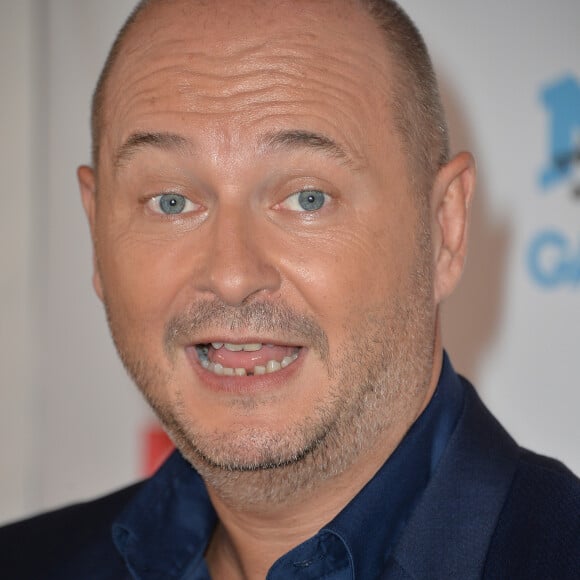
{"x": 229, "y": 66}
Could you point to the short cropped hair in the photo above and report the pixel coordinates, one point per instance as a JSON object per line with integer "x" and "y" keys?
{"x": 418, "y": 111}
{"x": 99, "y": 94}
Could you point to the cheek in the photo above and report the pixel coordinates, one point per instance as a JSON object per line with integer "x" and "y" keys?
{"x": 348, "y": 271}
{"x": 140, "y": 279}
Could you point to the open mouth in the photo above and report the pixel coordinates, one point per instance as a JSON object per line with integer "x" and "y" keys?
{"x": 245, "y": 359}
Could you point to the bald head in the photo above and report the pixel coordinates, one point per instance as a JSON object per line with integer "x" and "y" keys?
{"x": 414, "y": 95}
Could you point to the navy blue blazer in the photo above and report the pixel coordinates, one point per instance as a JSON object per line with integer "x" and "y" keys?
{"x": 492, "y": 510}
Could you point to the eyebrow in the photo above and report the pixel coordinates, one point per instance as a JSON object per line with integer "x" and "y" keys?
{"x": 300, "y": 139}
{"x": 137, "y": 141}
{"x": 294, "y": 139}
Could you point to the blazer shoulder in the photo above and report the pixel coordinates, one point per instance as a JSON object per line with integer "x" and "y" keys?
{"x": 538, "y": 531}
{"x": 64, "y": 542}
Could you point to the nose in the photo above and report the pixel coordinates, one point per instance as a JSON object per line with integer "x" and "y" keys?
{"x": 238, "y": 261}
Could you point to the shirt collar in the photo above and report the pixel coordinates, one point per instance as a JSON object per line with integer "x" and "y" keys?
{"x": 165, "y": 530}
{"x": 372, "y": 522}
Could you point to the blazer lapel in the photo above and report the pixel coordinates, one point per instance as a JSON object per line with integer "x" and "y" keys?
{"x": 449, "y": 532}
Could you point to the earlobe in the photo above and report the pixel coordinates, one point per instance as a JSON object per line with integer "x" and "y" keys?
{"x": 452, "y": 195}
{"x": 87, "y": 185}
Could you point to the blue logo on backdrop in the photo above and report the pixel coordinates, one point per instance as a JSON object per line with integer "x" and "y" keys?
{"x": 562, "y": 101}
{"x": 553, "y": 257}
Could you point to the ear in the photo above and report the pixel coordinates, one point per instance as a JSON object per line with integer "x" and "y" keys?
{"x": 451, "y": 198}
{"x": 87, "y": 184}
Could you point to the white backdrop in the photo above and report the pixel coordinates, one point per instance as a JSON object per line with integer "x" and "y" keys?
{"x": 71, "y": 422}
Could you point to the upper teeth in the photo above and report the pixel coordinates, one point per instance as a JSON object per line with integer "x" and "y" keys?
{"x": 251, "y": 347}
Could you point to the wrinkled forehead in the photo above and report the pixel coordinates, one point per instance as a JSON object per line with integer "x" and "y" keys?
{"x": 234, "y": 53}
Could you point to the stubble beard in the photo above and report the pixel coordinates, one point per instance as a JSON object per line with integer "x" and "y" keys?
{"x": 378, "y": 376}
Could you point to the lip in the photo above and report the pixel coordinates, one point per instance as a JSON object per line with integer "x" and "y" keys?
{"x": 247, "y": 385}
{"x": 248, "y": 339}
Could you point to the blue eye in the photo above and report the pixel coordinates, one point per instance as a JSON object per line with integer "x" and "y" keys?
{"x": 311, "y": 200}
{"x": 306, "y": 200}
{"x": 171, "y": 204}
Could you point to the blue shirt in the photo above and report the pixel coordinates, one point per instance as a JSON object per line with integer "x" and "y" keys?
{"x": 165, "y": 530}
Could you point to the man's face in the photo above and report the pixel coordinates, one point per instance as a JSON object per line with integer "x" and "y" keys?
{"x": 265, "y": 267}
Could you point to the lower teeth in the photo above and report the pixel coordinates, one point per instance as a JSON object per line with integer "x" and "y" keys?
{"x": 271, "y": 367}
